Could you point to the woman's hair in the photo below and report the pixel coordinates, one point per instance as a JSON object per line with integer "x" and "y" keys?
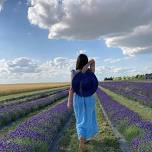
{"x": 82, "y": 60}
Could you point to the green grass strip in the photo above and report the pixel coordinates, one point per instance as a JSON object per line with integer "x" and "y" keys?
{"x": 144, "y": 112}
{"x": 129, "y": 131}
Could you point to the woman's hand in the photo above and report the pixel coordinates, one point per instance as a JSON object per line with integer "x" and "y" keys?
{"x": 70, "y": 98}
{"x": 90, "y": 63}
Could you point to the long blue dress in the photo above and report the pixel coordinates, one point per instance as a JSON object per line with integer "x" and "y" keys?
{"x": 85, "y": 114}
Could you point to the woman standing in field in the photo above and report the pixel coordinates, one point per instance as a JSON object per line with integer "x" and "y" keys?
{"x": 84, "y": 107}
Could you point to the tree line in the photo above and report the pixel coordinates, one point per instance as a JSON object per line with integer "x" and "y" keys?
{"x": 136, "y": 77}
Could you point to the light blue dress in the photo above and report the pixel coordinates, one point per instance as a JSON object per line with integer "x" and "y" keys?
{"x": 85, "y": 114}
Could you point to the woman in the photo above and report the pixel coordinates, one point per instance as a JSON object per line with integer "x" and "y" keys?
{"x": 84, "y": 107}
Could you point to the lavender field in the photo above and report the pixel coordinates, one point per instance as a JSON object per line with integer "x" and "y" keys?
{"x": 138, "y": 91}
{"x": 128, "y": 106}
{"x": 31, "y": 122}
{"x": 43, "y": 42}
{"x": 137, "y": 131}
{"x": 41, "y": 121}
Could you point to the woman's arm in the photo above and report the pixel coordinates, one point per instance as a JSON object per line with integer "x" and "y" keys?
{"x": 70, "y": 96}
{"x": 91, "y": 63}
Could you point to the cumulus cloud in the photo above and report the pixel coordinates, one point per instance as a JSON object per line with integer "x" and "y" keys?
{"x": 24, "y": 69}
{"x": 3, "y": 66}
{"x": 58, "y": 66}
{"x": 1, "y": 4}
{"x": 124, "y": 24}
{"x": 22, "y": 65}
{"x": 136, "y": 41}
{"x": 18, "y": 69}
{"x": 58, "y": 69}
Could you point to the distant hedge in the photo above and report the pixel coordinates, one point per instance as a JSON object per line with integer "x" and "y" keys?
{"x": 136, "y": 77}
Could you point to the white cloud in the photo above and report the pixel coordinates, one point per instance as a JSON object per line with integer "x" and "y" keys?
{"x": 1, "y": 4}
{"x": 3, "y": 66}
{"x": 24, "y": 69}
{"x": 22, "y": 65}
{"x": 136, "y": 41}
{"x": 124, "y": 24}
{"x": 44, "y": 13}
{"x": 116, "y": 60}
{"x": 108, "y": 71}
{"x": 58, "y": 66}
{"x": 18, "y": 69}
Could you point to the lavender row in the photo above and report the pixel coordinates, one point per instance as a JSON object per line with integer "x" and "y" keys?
{"x": 138, "y": 91}
{"x": 40, "y": 129}
{"x": 11, "y": 113}
{"x": 118, "y": 114}
{"x": 7, "y": 146}
{"x": 25, "y": 98}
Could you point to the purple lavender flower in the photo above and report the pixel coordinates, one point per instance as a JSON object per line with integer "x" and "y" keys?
{"x": 42, "y": 127}
{"x": 11, "y": 113}
{"x": 118, "y": 113}
{"x": 6, "y": 145}
{"x": 139, "y": 91}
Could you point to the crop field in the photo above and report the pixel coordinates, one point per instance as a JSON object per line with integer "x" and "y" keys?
{"x": 36, "y": 119}
{"x": 138, "y": 91}
{"x": 6, "y": 89}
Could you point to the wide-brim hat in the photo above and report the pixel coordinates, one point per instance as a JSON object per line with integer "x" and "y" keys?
{"x": 85, "y": 84}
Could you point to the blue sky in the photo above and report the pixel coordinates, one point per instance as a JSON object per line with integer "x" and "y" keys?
{"x": 26, "y": 50}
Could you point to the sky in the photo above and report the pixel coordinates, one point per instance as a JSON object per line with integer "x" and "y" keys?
{"x": 41, "y": 39}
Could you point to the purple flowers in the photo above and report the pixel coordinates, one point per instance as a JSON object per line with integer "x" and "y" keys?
{"x": 41, "y": 128}
{"x": 139, "y": 91}
{"x": 11, "y": 113}
{"x": 6, "y": 145}
{"x": 118, "y": 113}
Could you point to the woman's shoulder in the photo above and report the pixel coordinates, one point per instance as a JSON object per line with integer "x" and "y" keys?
{"x": 73, "y": 72}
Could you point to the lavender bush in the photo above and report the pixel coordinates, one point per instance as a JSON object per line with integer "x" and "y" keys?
{"x": 120, "y": 116}
{"x": 7, "y": 146}
{"x": 138, "y": 91}
{"x": 11, "y": 113}
{"x": 40, "y": 130}
{"x": 25, "y": 98}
